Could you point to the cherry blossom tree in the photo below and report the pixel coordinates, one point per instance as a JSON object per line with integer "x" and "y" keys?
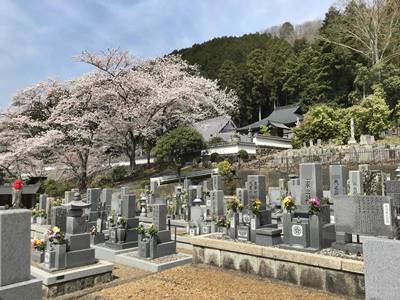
{"x": 153, "y": 96}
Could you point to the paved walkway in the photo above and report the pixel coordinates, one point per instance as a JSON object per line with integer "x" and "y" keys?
{"x": 205, "y": 282}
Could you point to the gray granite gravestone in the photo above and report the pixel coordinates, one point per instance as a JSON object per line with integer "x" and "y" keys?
{"x": 381, "y": 268}
{"x": 42, "y": 202}
{"x": 363, "y": 215}
{"x": 392, "y": 189}
{"x": 294, "y": 189}
{"x": 243, "y": 195}
{"x": 161, "y": 244}
{"x": 128, "y": 213}
{"x": 49, "y": 205}
{"x": 59, "y": 217}
{"x": 79, "y": 252}
{"x": 154, "y": 185}
{"x": 216, "y": 204}
{"x": 308, "y": 232}
{"x": 93, "y": 198}
{"x": 355, "y": 183}
{"x": 68, "y": 196}
{"x": 217, "y": 182}
{"x": 338, "y": 176}
{"x": 274, "y": 195}
{"x": 15, "y": 257}
{"x": 256, "y": 186}
{"x": 310, "y": 181}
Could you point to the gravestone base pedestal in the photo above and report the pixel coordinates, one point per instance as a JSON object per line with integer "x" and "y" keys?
{"x": 108, "y": 254}
{"x": 121, "y": 246}
{"x": 25, "y": 290}
{"x": 132, "y": 259}
{"x": 67, "y": 281}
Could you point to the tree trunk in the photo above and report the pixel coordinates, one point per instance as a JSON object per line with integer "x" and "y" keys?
{"x": 178, "y": 170}
{"x": 148, "y": 159}
{"x": 82, "y": 177}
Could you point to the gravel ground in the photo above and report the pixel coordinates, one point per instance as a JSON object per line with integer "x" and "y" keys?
{"x": 205, "y": 282}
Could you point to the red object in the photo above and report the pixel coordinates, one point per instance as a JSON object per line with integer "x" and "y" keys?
{"x": 17, "y": 184}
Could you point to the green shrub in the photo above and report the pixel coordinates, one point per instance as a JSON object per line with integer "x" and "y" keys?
{"x": 101, "y": 181}
{"x": 224, "y": 168}
{"x": 214, "y": 157}
{"x": 242, "y": 154}
{"x": 54, "y": 188}
{"x": 119, "y": 173}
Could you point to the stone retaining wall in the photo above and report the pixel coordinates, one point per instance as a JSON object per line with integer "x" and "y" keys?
{"x": 62, "y": 288}
{"x": 336, "y": 275}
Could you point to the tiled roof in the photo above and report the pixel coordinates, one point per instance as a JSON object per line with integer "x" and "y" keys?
{"x": 280, "y": 117}
{"x": 212, "y": 127}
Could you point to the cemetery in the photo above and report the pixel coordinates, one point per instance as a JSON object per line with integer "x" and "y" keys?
{"x": 262, "y": 163}
{"x": 296, "y": 232}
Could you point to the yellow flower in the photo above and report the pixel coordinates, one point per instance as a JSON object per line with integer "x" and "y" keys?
{"x": 56, "y": 229}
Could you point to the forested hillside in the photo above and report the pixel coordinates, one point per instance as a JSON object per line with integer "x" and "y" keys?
{"x": 355, "y": 48}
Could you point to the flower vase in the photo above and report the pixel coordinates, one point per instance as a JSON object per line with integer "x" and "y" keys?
{"x": 33, "y": 220}
{"x": 37, "y": 256}
{"x": 121, "y": 233}
{"x": 41, "y": 220}
{"x": 144, "y": 248}
{"x": 61, "y": 253}
{"x": 153, "y": 247}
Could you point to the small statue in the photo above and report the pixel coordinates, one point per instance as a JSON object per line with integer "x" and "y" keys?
{"x": 17, "y": 193}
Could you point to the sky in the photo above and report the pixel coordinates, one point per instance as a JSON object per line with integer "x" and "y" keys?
{"x": 38, "y": 38}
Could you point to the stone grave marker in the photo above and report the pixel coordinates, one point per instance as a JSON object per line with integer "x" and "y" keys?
{"x": 42, "y": 202}
{"x": 365, "y": 215}
{"x": 310, "y": 181}
{"x": 243, "y": 195}
{"x": 217, "y": 182}
{"x": 59, "y": 217}
{"x": 355, "y": 183}
{"x": 274, "y": 195}
{"x": 216, "y": 203}
{"x": 256, "y": 186}
{"x": 15, "y": 256}
{"x": 338, "y": 176}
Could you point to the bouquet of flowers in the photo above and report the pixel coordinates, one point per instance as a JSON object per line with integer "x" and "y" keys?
{"x": 152, "y": 230}
{"x": 255, "y": 206}
{"x": 34, "y": 212}
{"x": 289, "y": 203}
{"x": 41, "y": 213}
{"x": 93, "y": 230}
{"x": 56, "y": 237}
{"x": 121, "y": 222}
{"x": 221, "y": 221}
{"x": 140, "y": 229}
{"x": 315, "y": 205}
{"x": 111, "y": 220}
{"x": 233, "y": 204}
{"x": 38, "y": 245}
